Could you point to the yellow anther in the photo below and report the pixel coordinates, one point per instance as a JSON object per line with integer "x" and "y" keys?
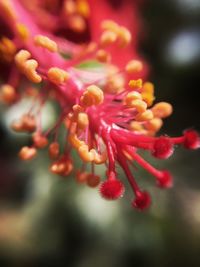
{"x": 134, "y": 66}
{"x": 86, "y": 154}
{"x": 29, "y": 70}
{"x": 148, "y": 98}
{"x": 7, "y": 94}
{"x": 100, "y": 158}
{"x": 108, "y": 37}
{"x": 82, "y": 121}
{"x": 69, "y": 7}
{"x": 57, "y": 75}
{"x": 154, "y": 124}
{"x": 124, "y": 36}
{"x": 136, "y": 126}
{"x": 93, "y": 95}
{"x": 144, "y": 116}
{"x": 8, "y": 9}
{"x": 27, "y": 66}
{"x": 148, "y": 87}
{"x": 77, "y": 23}
{"x": 110, "y": 25}
{"x": 45, "y": 42}
{"x": 74, "y": 141}
{"x": 132, "y": 96}
{"x": 115, "y": 83}
{"x": 162, "y": 110}
{"x": 22, "y": 31}
{"x": 83, "y": 8}
{"x": 103, "y": 56}
{"x": 138, "y": 104}
{"x": 21, "y": 57}
{"x": 135, "y": 83}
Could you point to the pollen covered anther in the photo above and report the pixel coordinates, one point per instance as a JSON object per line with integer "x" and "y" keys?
{"x": 134, "y": 66}
{"x": 8, "y": 94}
{"x": 39, "y": 140}
{"x": 93, "y": 95}
{"x": 57, "y": 75}
{"x": 54, "y": 150}
{"x": 45, "y": 42}
{"x": 27, "y": 153}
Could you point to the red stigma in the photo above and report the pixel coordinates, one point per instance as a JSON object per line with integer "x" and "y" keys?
{"x": 162, "y": 148}
{"x": 112, "y": 189}
{"x": 165, "y": 180}
{"x": 191, "y": 139}
{"x": 142, "y": 201}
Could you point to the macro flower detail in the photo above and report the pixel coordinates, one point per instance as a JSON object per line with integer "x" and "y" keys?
{"x": 107, "y": 108}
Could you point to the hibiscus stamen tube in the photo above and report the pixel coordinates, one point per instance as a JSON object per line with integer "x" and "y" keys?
{"x": 87, "y": 62}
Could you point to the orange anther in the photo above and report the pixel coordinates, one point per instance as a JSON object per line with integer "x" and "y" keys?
{"x": 99, "y": 158}
{"x": 93, "y": 95}
{"x": 74, "y": 141}
{"x": 82, "y": 120}
{"x": 21, "y": 57}
{"x": 162, "y": 110}
{"x": 136, "y": 126}
{"x": 144, "y": 116}
{"x": 29, "y": 69}
{"x": 138, "y": 104}
{"x": 93, "y": 180}
{"x": 27, "y": 153}
{"x": 115, "y": 84}
{"x": 28, "y": 123}
{"x": 45, "y": 42}
{"x": 124, "y": 36}
{"x": 27, "y": 66}
{"x": 7, "y": 49}
{"x": 103, "y": 56}
{"x": 22, "y": 31}
{"x": 132, "y": 96}
{"x": 54, "y": 150}
{"x": 57, "y": 75}
{"x": 86, "y": 154}
{"x": 154, "y": 124}
{"x": 69, "y": 7}
{"x": 148, "y": 87}
{"x": 63, "y": 166}
{"x": 8, "y": 94}
{"x": 134, "y": 66}
{"x": 77, "y": 23}
{"x": 83, "y": 8}
{"x": 148, "y": 98}
{"x": 108, "y": 37}
{"x": 39, "y": 140}
{"x": 81, "y": 177}
{"x": 110, "y": 25}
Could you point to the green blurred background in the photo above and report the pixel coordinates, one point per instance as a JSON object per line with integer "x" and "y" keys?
{"x": 49, "y": 222}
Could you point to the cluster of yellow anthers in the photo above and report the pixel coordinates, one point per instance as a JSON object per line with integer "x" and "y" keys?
{"x": 114, "y": 33}
{"x": 76, "y": 12}
{"x": 148, "y": 120}
{"x": 27, "y": 66}
{"x": 79, "y": 121}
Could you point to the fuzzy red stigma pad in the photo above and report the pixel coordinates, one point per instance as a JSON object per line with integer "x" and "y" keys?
{"x": 112, "y": 189}
{"x": 142, "y": 201}
{"x": 191, "y": 139}
{"x": 162, "y": 148}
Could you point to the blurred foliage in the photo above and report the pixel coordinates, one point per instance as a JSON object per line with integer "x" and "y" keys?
{"x": 49, "y": 222}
